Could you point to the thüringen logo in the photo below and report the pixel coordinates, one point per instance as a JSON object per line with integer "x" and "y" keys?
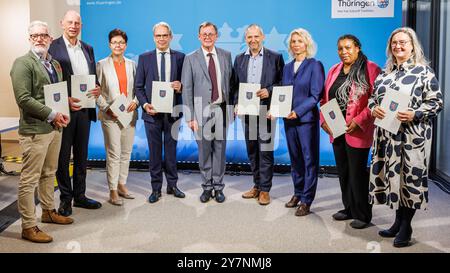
{"x": 356, "y": 3}
{"x": 382, "y": 3}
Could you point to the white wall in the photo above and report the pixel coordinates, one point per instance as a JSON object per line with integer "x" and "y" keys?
{"x": 15, "y": 17}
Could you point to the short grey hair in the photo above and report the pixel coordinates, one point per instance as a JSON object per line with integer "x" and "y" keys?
{"x": 162, "y": 24}
{"x": 254, "y": 26}
{"x": 306, "y": 37}
{"x": 207, "y": 24}
{"x": 38, "y": 23}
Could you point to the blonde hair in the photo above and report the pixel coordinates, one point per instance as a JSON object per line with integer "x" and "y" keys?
{"x": 417, "y": 53}
{"x": 311, "y": 47}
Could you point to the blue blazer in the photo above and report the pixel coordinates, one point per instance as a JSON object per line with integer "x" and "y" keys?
{"x": 147, "y": 72}
{"x": 308, "y": 88}
{"x": 58, "y": 51}
{"x": 272, "y": 72}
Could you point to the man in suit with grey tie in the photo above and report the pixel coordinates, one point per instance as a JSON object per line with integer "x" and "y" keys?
{"x": 206, "y": 80}
{"x": 161, "y": 64}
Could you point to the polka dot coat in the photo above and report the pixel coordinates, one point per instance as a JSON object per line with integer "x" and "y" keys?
{"x": 398, "y": 171}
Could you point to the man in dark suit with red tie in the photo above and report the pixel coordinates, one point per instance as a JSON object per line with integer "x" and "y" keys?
{"x": 162, "y": 64}
{"x": 76, "y": 58}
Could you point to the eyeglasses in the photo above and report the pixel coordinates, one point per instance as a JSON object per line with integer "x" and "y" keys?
{"x": 208, "y": 35}
{"x": 162, "y": 36}
{"x": 121, "y": 43}
{"x": 401, "y": 43}
{"x": 36, "y": 36}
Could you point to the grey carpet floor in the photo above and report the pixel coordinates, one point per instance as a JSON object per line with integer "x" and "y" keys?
{"x": 186, "y": 225}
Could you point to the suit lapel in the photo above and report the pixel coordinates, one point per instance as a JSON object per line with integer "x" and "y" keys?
{"x": 154, "y": 64}
{"x": 65, "y": 54}
{"x": 301, "y": 68}
{"x": 173, "y": 66}
{"x": 88, "y": 58}
{"x": 111, "y": 71}
{"x": 202, "y": 62}
{"x": 244, "y": 67}
{"x": 334, "y": 75}
{"x": 129, "y": 70}
{"x": 42, "y": 69}
{"x": 221, "y": 59}
{"x": 266, "y": 57}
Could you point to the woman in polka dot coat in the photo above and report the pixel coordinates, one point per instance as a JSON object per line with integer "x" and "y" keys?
{"x": 398, "y": 172}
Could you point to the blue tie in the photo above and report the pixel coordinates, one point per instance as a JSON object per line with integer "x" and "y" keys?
{"x": 163, "y": 67}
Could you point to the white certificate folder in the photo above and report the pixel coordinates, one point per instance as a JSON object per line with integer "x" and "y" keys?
{"x": 162, "y": 97}
{"x": 393, "y": 102}
{"x": 56, "y": 98}
{"x": 281, "y": 103}
{"x": 248, "y": 102}
{"x": 332, "y": 114}
{"x": 81, "y": 84}
{"x": 119, "y": 107}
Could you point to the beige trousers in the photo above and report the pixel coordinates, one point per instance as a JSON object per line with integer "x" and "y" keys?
{"x": 40, "y": 161}
{"x": 118, "y": 145}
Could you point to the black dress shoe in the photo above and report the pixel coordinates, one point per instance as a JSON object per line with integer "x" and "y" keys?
{"x": 388, "y": 233}
{"x": 87, "y": 203}
{"x": 154, "y": 197}
{"x": 358, "y": 224}
{"x": 402, "y": 243}
{"x": 176, "y": 192}
{"x": 206, "y": 195}
{"x": 219, "y": 196}
{"x": 341, "y": 215}
{"x": 65, "y": 208}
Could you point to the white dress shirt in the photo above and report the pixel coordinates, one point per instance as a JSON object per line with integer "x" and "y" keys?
{"x": 77, "y": 58}
{"x": 167, "y": 63}
{"x": 218, "y": 73}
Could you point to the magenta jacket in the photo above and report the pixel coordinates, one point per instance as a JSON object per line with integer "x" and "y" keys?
{"x": 356, "y": 110}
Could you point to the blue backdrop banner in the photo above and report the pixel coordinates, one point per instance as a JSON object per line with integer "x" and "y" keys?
{"x": 277, "y": 18}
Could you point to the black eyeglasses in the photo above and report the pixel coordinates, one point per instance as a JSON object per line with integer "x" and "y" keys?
{"x": 36, "y": 36}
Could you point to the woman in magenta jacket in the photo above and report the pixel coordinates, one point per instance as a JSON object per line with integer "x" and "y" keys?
{"x": 351, "y": 83}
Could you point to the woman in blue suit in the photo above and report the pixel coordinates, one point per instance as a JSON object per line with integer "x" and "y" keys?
{"x": 307, "y": 77}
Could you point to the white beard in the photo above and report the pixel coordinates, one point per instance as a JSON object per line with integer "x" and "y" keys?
{"x": 40, "y": 50}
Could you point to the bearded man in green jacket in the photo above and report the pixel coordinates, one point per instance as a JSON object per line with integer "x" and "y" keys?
{"x": 39, "y": 132}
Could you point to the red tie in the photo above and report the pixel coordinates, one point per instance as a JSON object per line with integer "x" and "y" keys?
{"x": 213, "y": 76}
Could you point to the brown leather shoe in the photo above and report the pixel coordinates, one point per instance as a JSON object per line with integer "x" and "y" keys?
{"x": 253, "y": 193}
{"x": 36, "y": 235}
{"x": 264, "y": 198}
{"x": 51, "y": 216}
{"x": 293, "y": 202}
{"x": 302, "y": 210}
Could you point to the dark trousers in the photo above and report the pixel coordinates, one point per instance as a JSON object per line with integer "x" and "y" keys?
{"x": 303, "y": 145}
{"x": 76, "y": 136}
{"x": 158, "y": 131}
{"x": 351, "y": 165}
{"x": 258, "y": 139}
